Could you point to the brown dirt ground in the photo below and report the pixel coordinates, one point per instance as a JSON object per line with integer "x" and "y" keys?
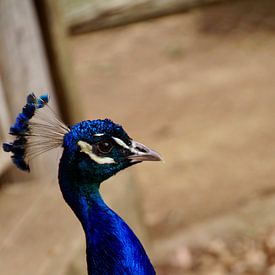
{"x": 199, "y": 88}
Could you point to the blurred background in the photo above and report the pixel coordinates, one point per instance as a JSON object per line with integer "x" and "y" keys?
{"x": 193, "y": 79}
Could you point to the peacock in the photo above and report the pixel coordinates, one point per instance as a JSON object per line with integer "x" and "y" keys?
{"x": 93, "y": 151}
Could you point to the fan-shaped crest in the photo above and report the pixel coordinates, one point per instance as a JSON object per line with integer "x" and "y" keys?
{"x": 36, "y": 131}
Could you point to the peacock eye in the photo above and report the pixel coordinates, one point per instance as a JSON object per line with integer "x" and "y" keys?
{"x": 105, "y": 147}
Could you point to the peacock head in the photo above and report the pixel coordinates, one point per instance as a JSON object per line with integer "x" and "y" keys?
{"x": 97, "y": 149}
{"x": 93, "y": 150}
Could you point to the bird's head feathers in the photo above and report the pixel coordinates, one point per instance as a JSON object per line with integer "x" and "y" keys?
{"x": 100, "y": 148}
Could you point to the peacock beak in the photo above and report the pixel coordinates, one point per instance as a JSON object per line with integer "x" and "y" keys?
{"x": 142, "y": 153}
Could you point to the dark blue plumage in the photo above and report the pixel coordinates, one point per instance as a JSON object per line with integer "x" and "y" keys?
{"x": 93, "y": 151}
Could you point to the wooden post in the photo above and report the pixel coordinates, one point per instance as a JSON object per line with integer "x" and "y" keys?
{"x": 4, "y": 125}
{"x": 23, "y": 63}
{"x": 22, "y": 58}
{"x": 55, "y": 41}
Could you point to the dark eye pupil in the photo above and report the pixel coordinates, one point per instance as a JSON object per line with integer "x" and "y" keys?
{"x": 105, "y": 147}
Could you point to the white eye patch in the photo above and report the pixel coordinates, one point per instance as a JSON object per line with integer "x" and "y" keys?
{"x": 88, "y": 149}
{"x": 121, "y": 143}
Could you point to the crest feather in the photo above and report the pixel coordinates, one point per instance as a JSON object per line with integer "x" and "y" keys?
{"x": 36, "y": 129}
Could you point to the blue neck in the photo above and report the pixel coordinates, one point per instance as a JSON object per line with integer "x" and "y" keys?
{"x": 112, "y": 247}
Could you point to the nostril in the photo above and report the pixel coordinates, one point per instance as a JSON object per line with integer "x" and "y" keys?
{"x": 141, "y": 149}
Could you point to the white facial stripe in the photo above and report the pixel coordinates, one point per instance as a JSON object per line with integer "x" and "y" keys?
{"x": 87, "y": 149}
{"x": 133, "y": 147}
{"x": 99, "y": 135}
{"x": 124, "y": 145}
{"x": 121, "y": 143}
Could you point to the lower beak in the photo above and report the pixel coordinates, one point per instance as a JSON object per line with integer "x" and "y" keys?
{"x": 142, "y": 153}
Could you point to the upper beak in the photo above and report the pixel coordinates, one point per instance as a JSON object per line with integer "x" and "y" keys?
{"x": 142, "y": 153}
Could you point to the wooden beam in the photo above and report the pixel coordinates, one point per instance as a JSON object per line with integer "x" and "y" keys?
{"x": 96, "y": 15}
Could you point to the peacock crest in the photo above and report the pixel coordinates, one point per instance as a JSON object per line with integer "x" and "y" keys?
{"x": 36, "y": 129}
